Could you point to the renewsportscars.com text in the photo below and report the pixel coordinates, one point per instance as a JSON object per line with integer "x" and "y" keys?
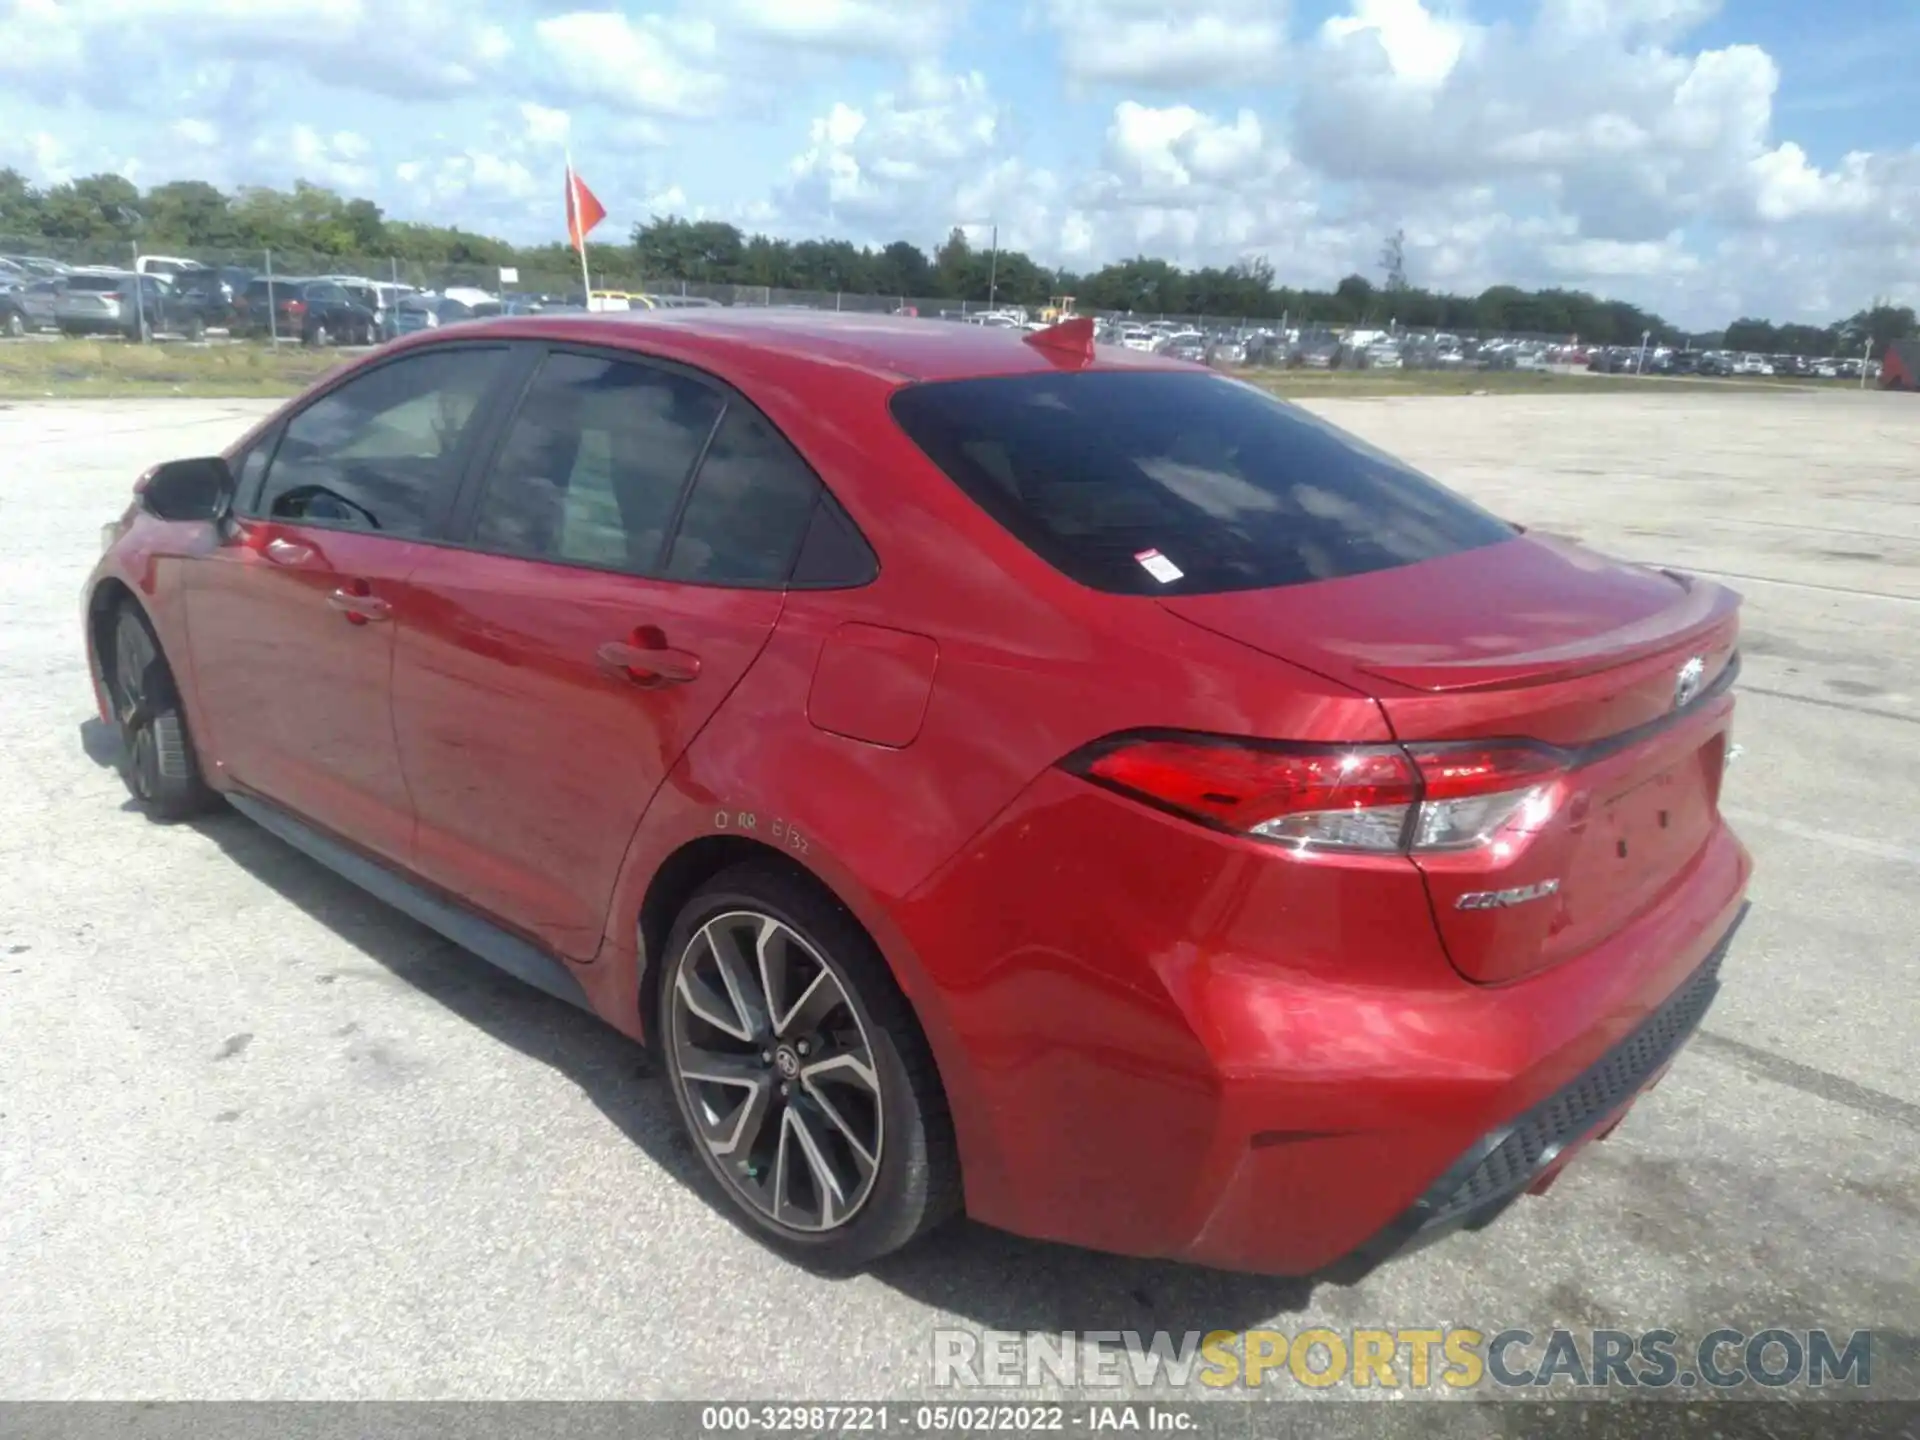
{"x": 1454, "y": 1358}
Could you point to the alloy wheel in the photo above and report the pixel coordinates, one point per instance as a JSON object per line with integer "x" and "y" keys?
{"x": 777, "y": 1071}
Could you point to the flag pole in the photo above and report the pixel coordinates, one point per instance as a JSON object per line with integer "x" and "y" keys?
{"x": 578, "y": 236}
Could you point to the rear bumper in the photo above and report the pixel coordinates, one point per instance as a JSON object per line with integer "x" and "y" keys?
{"x": 1175, "y": 1046}
{"x": 1527, "y": 1152}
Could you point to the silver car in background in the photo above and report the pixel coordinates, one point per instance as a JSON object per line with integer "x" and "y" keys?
{"x": 110, "y": 302}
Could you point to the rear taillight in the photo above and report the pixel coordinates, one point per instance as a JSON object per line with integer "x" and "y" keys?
{"x": 1387, "y": 799}
{"x": 112, "y": 295}
{"x": 294, "y": 307}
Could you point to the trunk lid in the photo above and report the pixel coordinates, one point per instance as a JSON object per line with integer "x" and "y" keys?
{"x": 1623, "y": 670}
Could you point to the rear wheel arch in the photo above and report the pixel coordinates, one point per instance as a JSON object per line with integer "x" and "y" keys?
{"x": 674, "y": 883}
{"x": 696, "y": 862}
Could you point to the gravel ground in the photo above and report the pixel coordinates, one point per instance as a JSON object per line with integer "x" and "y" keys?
{"x": 261, "y": 1137}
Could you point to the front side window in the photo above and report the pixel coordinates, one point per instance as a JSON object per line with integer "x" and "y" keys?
{"x": 383, "y": 451}
{"x": 594, "y": 465}
{"x": 1163, "y": 483}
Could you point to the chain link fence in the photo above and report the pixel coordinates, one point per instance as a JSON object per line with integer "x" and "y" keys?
{"x": 1231, "y": 339}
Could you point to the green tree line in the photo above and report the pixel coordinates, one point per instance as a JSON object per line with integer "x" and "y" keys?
{"x": 102, "y": 214}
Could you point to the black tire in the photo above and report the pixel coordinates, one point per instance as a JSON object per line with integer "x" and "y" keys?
{"x": 916, "y": 1181}
{"x": 157, "y": 759}
{"x": 196, "y": 329}
{"x": 318, "y": 337}
{"x": 142, "y": 332}
{"x": 16, "y": 324}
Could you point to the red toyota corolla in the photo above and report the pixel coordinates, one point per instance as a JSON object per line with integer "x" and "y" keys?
{"x": 994, "y": 773}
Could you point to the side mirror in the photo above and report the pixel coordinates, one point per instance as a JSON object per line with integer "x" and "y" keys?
{"x": 188, "y": 489}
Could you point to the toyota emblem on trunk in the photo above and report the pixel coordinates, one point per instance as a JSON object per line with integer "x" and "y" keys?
{"x": 1686, "y": 685}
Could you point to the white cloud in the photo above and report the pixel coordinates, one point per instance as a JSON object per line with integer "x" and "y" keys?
{"x": 650, "y": 64}
{"x": 1585, "y": 111}
{"x": 1419, "y": 48}
{"x": 406, "y": 48}
{"x": 899, "y": 158}
{"x": 338, "y": 160}
{"x": 852, "y": 27}
{"x": 1155, "y": 44}
{"x": 201, "y": 133}
{"x": 545, "y": 126}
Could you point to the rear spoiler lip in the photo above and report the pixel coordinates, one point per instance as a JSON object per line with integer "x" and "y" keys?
{"x": 1704, "y": 609}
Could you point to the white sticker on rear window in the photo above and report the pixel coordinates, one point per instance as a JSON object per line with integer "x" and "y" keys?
{"x": 1159, "y": 566}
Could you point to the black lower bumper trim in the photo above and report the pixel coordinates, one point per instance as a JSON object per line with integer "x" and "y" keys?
{"x": 1504, "y": 1163}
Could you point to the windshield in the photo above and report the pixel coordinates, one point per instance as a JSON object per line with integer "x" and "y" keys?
{"x": 1170, "y": 483}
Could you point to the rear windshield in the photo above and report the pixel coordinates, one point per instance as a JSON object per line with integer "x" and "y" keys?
{"x": 96, "y": 282}
{"x": 1160, "y": 483}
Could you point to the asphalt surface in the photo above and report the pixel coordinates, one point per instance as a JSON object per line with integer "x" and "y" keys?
{"x": 261, "y": 1137}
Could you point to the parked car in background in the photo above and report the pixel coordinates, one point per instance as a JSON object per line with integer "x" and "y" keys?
{"x": 120, "y": 302}
{"x": 254, "y": 308}
{"x": 38, "y": 265}
{"x": 314, "y": 312}
{"x": 165, "y": 266}
{"x": 430, "y": 312}
{"x": 203, "y": 294}
{"x": 13, "y": 313}
{"x": 382, "y": 297}
{"x": 39, "y": 299}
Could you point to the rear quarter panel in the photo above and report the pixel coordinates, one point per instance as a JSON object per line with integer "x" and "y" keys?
{"x": 1030, "y": 667}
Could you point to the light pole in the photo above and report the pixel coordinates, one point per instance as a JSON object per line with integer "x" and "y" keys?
{"x": 993, "y": 269}
{"x": 135, "y": 222}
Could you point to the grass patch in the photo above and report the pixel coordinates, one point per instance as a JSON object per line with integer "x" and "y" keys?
{"x": 112, "y": 369}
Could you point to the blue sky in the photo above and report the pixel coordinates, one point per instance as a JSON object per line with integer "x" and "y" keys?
{"x": 1708, "y": 158}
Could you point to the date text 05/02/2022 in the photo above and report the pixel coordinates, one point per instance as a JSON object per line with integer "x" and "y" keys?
{"x": 948, "y": 1418}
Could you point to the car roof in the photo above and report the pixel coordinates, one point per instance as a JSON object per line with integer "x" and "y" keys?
{"x": 887, "y": 347}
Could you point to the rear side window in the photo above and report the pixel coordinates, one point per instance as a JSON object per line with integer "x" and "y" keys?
{"x": 749, "y": 509}
{"x": 383, "y": 451}
{"x": 594, "y": 465}
{"x": 1159, "y": 483}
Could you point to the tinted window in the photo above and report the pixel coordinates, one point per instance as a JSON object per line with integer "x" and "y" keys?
{"x": 595, "y": 463}
{"x": 331, "y": 293}
{"x": 1235, "y": 489}
{"x": 382, "y": 452}
{"x": 96, "y": 282}
{"x": 749, "y": 508}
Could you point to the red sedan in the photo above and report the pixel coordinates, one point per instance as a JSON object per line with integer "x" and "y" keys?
{"x": 995, "y": 773}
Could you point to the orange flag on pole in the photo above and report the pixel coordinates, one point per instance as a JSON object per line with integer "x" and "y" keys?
{"x": 584, "y": 210}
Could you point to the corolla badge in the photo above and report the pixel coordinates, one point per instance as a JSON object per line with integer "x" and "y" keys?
{"x": 1501, "y": 899}
{"x": 1686, "y": 685}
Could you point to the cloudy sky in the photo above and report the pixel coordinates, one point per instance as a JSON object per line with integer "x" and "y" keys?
{"x": 1707, "y": 159}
